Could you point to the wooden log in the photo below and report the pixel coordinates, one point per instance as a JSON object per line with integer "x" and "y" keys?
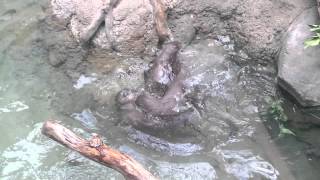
{"x": 160, "y": 18}
{"x": 95, "y": 150}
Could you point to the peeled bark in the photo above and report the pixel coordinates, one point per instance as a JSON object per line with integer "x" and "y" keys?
{"x": 160, "y": 18}
{"x": 95, "y": 150}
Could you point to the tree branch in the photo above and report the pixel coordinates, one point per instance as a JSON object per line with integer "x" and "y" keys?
{"x": 160, "y": 18}
{"x": 95, "y": 150}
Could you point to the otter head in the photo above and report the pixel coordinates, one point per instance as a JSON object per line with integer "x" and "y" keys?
{"x": 126, "y": 96}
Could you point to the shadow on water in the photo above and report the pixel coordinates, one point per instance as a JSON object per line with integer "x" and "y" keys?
{"x": 228, "y": 142}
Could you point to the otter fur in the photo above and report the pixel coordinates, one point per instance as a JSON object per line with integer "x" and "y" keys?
{"x": 150, "y": 108}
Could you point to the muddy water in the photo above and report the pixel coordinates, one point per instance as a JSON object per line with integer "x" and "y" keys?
{"x": 227, "y": 141}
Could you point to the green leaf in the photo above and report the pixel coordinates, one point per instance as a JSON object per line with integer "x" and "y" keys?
{"x": 284, "y": 130}
{"x": 315, "y": 40}
{"x": 314, "y": 27}
{"x": 312, "y": 42}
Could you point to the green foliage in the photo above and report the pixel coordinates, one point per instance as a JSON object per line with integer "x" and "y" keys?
{"x": 276, "y": 113}
{"x": 314, "y": 40}
{"x": 284, "y": 130}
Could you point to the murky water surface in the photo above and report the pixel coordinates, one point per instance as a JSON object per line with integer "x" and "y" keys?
{"x": 229, "y": 140}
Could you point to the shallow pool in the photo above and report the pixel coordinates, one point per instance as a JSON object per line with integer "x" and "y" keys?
{"x": 233, "y": 142}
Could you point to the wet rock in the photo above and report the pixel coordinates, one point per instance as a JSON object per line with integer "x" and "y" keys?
{"x": 299, "y": 67}
{"x": 129, "y": 28}
{"x": 133, "y": 29}
{"x": 186, "y": 33}
{"x": 61, "y": 48}
{"x": 256, "y": 25}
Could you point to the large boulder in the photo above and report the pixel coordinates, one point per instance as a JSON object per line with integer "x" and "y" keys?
{"x": 256, "y": 26}
{"x": 299, "y": 67}
{"x": 132, "y": 27}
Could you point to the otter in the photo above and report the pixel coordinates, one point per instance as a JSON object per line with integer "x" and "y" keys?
{"x": 169, "y": 104}
{"x": 132, "y": 114}
{"x": 163, "y": 69}
{"x": 155, "y": 110}
{"x": 129, "y": 111}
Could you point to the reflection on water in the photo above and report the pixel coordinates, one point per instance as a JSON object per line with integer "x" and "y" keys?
{"x": 229, "y": 143}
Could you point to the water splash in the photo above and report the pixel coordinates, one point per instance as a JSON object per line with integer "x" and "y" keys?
{"x": 84, "y": 80}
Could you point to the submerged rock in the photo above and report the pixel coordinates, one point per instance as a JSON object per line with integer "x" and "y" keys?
{"x": 299, "y": 67}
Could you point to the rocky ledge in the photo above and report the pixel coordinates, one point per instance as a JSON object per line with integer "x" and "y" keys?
{"x": 299, "y": 67}
{"x": 129, "y": 26}
{"x": 123, "y": 26}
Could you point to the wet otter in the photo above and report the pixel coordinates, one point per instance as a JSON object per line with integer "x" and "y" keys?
{"x": 134, "y": 115}
{"x": 163, "y": 69}
{"x": 129, "y": 111}
{"x": 154, "y": 109}
{"x": 172, "y": 103}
